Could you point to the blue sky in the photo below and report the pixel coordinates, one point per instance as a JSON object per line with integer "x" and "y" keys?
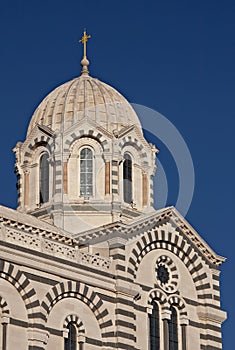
{"x": 176, "y": 57}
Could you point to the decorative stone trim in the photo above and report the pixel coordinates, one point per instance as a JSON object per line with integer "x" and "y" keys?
{"x": 76, "y": 320}
{"x": 161, "y": 298}
{"x": 134, "y": 142}
{"x": 168, "y": 283}
{"x": 81, "y": 338}
{"x": 162, "y": 238}
{"x": 34, "y": 231}
{"x": 179, "y": 303}
{"x": 10, "y": 273}
{"x": 207, "y": 313}
{"x": 37, "y": 142}
{"x": 158, "y": 295}
{"x": 4, "y": 307}
{"x": 79, "y": 290}
{"x": 49, "y": 246}
{"x": 214, "y": 259}
{"x": 88, "y": 132}
{"x": 5, "y": 319}
{"x": 144, "y": 225}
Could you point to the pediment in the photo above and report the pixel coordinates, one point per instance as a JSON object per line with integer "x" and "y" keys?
{"x": 169, "y": 218}
{"x": 135, "y": 133}
{"x": 88, "y": 123}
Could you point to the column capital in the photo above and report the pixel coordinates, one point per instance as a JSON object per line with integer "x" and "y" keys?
{"x": 5, "y": 319}
{"x": 166, "y": 315}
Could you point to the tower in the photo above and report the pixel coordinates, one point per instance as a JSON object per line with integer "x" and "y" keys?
{"x": 86, "y": 262}
{"x": 85, "y": 161}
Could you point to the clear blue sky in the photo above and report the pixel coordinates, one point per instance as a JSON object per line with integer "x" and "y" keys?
{"x": 176, "y": 57}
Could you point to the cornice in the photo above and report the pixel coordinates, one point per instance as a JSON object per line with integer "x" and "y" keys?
{"x": 132, "y": 230}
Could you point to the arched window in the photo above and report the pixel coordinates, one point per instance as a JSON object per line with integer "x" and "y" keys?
{"x": 70, "y": 343}
{"x": 86, "y": 172}
{"x": 154, "y": 332}
{"x": 173, "y": 330}
{"x": 127, "y": 178}
{"x": 44, "y": 178}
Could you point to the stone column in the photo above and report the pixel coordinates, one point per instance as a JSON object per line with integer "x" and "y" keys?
{"x": 166, "y": 315}
{"x": 81, "y": 340}
{"x": 165, "y": 335}
{"x": 107, "y": 178}
{"x": 145, "y": 190}
{"x": 4, "y": 321}
{"x": 26, "y": 188}
{"x": 184, "y": 336}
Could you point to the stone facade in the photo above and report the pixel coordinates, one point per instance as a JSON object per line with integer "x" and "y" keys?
{"x": 105, "y": 282}
{"x": 97, "y": 258}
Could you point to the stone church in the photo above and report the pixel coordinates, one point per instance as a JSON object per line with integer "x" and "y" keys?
{"x": 86, "y": 262}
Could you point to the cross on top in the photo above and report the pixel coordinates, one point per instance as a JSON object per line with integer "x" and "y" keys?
{"x": 84, "y": 40}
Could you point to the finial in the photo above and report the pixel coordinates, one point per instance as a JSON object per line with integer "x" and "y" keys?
{"x": 84, "y": 61}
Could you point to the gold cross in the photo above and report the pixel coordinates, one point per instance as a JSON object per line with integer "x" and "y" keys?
{"x": 84, "y": 40}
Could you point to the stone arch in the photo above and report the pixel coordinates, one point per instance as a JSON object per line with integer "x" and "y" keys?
{"x": 85, "y": 141}
{"x": 41, "y": 140}
{"x": 17, "y": 278}
{"x": 158, "y": 295}
{"x": 135, "y": 143}
{"x": 82, "y": 292}
{"x": 42, "y": 148}
{"x": 76, "y": 320}
{"x": 162, "y": 238}
{"x": 86, "y": 132}
{"x": 134, "y": 153}
{"x": 178, "y": 302}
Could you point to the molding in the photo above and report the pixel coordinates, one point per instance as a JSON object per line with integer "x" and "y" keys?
{"x": 210, "y": 314}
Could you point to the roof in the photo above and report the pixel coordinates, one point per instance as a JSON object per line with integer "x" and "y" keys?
{"x": 137, "y": 227}
{"x": 84, "y": 97}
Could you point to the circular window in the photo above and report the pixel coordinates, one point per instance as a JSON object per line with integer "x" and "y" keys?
{"x": 162, "y": 274}
{"x": 166, "y": 274}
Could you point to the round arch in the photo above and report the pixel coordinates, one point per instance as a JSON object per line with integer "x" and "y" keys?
{"x": 160, "y": 238}
{"x": 17, "y": 278}
{"x": 82, "y": 292}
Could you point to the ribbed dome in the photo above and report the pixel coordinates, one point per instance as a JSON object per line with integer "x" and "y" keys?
{"x": 80, "y": 98}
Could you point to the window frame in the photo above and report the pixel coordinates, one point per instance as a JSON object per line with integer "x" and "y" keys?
{"x": 173, "y": 329}
{"x": 73, "y": 339}
{"x": 92, "y": 194}
{"x": 127, "y": 178}
{"x": 45, "y": 183}
{"x": 154, "y": 319}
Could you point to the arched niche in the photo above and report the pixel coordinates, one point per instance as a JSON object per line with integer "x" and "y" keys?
{"x": 63, "y": 309}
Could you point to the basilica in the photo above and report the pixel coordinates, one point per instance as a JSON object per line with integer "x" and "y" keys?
{"x": 86, "y": 262}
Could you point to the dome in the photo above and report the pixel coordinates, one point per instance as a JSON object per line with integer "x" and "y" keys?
{"x": 81, "y": 98}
